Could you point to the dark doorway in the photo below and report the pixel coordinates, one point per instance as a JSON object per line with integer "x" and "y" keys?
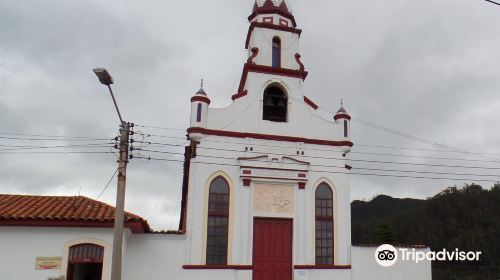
{"x": 85, "y": 262}
{"x": 85, "y": 271}
{"x": 275, "y": 104}
{"x": 272, "y": 249}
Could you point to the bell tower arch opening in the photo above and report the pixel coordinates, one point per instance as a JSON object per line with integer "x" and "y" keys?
{"x": 275, "y": 104}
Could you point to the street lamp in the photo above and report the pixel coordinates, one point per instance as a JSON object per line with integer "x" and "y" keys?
{"x": 116, "y": 261}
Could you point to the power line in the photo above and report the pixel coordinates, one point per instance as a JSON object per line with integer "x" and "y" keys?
{"x": 53, "y": 152}
{"x": 493, "y": 2}
{"x": 18, "y": 148}
{"x": 47, "y": 136}
{"x": 355, "y": 145}
{"x": 342, "y": 167}
{"x": 107, "y": 185}
{"x": 333, "y": 158}
{"x": 334, "y": 172}
{"x": 409, "y": 136}
{"x": 53, "y": 139}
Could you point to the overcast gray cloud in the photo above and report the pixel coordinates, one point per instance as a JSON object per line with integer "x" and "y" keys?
{"x": 427, "y": 68}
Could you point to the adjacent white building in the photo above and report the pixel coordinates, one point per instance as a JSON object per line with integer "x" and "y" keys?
{"x": 266, "y": 191}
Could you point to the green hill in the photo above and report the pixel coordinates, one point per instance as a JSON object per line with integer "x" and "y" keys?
{"x": 466, "y": 218}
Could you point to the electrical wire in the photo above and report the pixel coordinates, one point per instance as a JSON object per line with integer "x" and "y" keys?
{"x": 53, "y": 139}
{"x": 447, "y": 150}
{"x": 342, "y": 167}
{"x": 334, "y": 172}
{"x": 354, "y": 160}
{"x": 107, "y": 185}
{"x": 493, "y": 2}
{"x": 18, "y": 148}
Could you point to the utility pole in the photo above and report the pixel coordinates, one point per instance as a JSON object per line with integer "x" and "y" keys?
{"x": 116, "y": 261}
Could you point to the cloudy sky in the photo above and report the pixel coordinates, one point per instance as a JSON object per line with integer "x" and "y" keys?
{"x": 427, "y": 68}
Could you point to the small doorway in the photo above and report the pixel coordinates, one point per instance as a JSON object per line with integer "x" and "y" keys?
{"x": 272, "y": 249}
{"x": 85, "y": 262}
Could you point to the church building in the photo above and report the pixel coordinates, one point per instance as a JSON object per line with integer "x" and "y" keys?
{"x": 265, "y": 194}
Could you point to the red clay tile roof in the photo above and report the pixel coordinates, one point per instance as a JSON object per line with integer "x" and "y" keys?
{"x": 79, "y": 211}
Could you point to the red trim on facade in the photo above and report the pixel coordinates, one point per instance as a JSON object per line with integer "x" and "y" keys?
{"x": 247, "y": 172}
{"x": 251, "y": 158}
{"x": 200, "y": 99}
{"x": 283, "y": 22}
{"x": 268, "y": 19}
{"x": 302, "y": 175}
{"x": 268, "y": 70}
{"x": 255, "y": 52}
{"x": 322, "y": 266}
{"x": 213, "y": 266}
{"x": 272, "y": 11}
{"x": 296, "y": 160}
{"x": 239, "y": 95}
{"x": 342, "y": 116}
{"x": 266, "y": 177}
{"x": 246, "y": 182}
{"x": 269, "y": 137}
{"x": 310, "y": 103}
{"x": 271, "y": 168}
{"x": 297, "y": 58}
{"x": 302, "y": 185}
{"x": 255, "y": 24}
{"x": 185, "y": 188}
{"x": 135, "y": 227}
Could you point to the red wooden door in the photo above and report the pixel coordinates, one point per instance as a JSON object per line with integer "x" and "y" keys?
{"x": 272, "y": 249}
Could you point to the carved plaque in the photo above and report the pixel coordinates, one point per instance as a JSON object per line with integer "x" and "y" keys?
{"x": 273, "y": 198}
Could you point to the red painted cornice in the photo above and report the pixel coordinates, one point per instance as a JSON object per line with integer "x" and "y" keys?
{"x": 200, "y": 99}
{"x": 269, "y": 137}
{"x": 269, "y": 70}
{"x": 342, "y": 116}
{"x": 273, "y": 11}
{"x": 239, "y": 95}
{"x": 255, "y": 24}
{"x": 310, "y": 103}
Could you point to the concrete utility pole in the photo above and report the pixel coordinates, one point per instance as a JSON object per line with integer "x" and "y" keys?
{"x": 116, "y": 261}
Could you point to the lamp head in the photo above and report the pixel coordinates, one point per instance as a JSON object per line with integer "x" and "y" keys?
{"x": 103, "y": 75}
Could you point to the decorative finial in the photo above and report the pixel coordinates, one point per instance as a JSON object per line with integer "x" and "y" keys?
{"x": 341, "y": 102}
{"x": 201, "y": 83}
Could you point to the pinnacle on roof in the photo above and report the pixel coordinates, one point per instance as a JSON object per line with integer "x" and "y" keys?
{"x": 201, "y": 90}
{"x": 280, "y": 5}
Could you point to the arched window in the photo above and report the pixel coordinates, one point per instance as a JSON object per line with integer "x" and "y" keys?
{"x": 324, "y": 224}
{"x": 346, "y": 134}
{"x": 275, "y": 104}
{"x": 277, "y": 52}
{"x": 218, "y": 220}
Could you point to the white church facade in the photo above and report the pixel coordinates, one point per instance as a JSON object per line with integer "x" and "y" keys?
{"x": 266, "y": 191}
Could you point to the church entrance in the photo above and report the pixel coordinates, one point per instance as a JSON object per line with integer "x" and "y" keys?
{"x": 85, "y": 262}
{"x": 272, "y": 249}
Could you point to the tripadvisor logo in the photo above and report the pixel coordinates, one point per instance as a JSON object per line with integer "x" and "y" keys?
{"x": 387, "y": 255}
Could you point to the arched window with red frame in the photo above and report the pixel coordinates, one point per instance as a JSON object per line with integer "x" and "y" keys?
{"x": 218, "y": 222}
{"x": 324, "y": 224}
